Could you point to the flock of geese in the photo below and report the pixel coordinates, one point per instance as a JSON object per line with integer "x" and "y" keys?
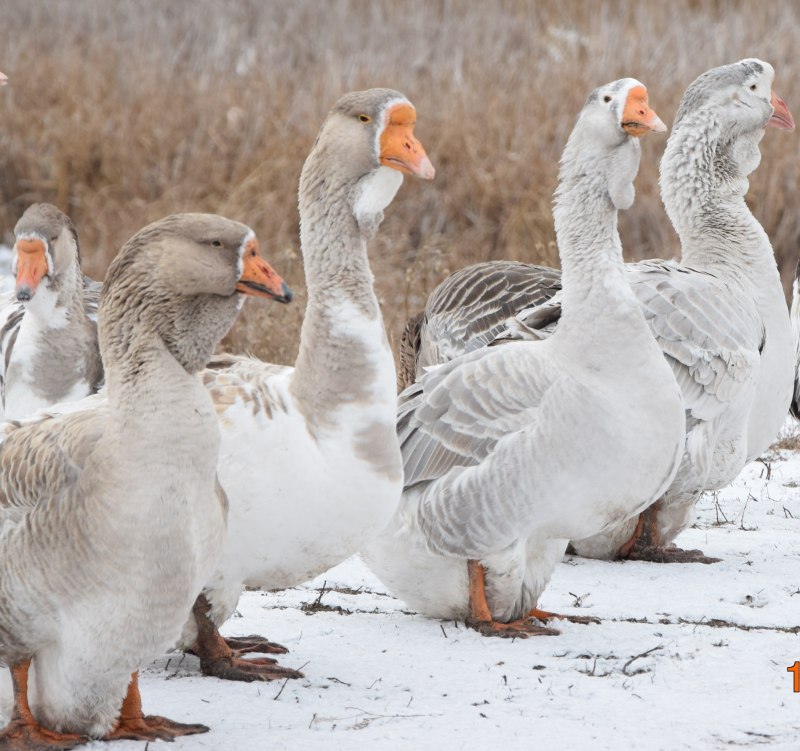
{"x": 145, "y": 481}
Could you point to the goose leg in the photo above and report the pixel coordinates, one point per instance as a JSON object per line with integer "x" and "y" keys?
{"x": 219, "y": 660}
{"x": 480, "y": 618}
{"x": 24, "y": 733}
{"x": 644, "y": 544}
{"x": 134, "y": 725}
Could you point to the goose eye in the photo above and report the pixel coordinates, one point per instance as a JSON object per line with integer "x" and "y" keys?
{"x": 216, "y": 243}
{"x": 606, "y": 98}
{"x": 752, "y": 87}
{"x": 365, "y": 118}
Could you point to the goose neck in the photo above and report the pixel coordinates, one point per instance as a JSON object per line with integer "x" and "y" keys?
{"x": 592, "y": 267}
{"x": 344, "y": 354}
{"x": 703, "y": 186}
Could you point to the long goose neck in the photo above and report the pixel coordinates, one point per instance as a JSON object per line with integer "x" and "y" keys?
{"x": 343, "y": 346}
{"x": 593, "y": 271}
{"x": 703, "y": 185}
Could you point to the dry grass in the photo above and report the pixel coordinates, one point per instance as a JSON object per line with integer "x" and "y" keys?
{"x": 123, "y": 112}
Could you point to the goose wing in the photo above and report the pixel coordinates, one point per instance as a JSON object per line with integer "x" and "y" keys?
{"x": 454, "y": 415}
{"x": 42, "y": 457}
{"x": 246, "y": 382}
{"x": 467, "y": 310}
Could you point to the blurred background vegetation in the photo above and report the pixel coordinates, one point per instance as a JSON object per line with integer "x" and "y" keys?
{"x": 122, "y": 112}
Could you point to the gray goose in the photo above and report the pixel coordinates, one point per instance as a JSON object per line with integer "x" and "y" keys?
{"x": 48, "y": 335}
{"x": 719, "y": 316}
{"x": 120, "y": 551}
{"x": 491, "y": 440}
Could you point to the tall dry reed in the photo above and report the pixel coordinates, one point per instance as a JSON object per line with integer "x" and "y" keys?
{"x": 121, "y": 112}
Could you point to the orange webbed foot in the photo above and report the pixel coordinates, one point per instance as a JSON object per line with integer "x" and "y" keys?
{"x": 23, "y": 735}
{"x": 152, "y": 728}
{"x": 546, "y": 615}
{"x": 520, "y": 629}
{"x": 242, "y": 645}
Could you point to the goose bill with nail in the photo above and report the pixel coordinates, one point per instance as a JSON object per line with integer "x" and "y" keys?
{"x": 637, "y": 117}
{"x": 259, "y": 278}
{"x": 399, "y": 148}
{"x": 32, "y": 262}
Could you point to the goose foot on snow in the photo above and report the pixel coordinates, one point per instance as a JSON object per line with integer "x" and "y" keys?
{"x": 24, "y": 733}
{"x": 219, "y": 660}
{"x": 242, "y": 645}
{"x": 480, "y": 618}
{"x": 546, "y": 615}
{"x": 644, "y": 545}
{"x": 669, "y": 554}
{"x": 134, "y": 725}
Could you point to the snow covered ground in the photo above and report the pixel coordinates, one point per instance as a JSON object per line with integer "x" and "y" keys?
{"x": 686, "y": 656}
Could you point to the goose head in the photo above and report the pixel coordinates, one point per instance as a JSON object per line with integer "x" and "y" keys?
{"x": 182, "y": 279}
{"x": 738, "y": 97}
{"x": 46, "y": 253}
{"x": 731, "y": 106}
{"x": 607, "y": 132}
{"x": 362, "y": 151}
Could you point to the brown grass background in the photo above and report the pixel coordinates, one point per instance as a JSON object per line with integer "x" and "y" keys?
{"x": 121, "y": 112}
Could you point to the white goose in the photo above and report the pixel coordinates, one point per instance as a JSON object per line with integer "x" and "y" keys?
{"x": 511, "y": 451}
{"x": 97, "y": 579}
{"x": 720, "y": 317}
{"x": 48, "y": 337}
{"x": 309, "y": 456}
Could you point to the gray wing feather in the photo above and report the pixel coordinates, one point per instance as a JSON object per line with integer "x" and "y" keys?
{"x": 455, "y": 414}
{"x": 467, "y": 310}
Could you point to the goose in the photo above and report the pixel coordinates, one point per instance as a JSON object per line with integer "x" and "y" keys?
{"x": 118, "y": 555}
{"x": 309, "y": 456}
{"x": 48, "y": 334}
{"x": 719, "y": 316}
{"x": 509, "y": 452}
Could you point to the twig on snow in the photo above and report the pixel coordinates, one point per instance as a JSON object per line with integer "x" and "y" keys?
{"x": 636, "y": 657}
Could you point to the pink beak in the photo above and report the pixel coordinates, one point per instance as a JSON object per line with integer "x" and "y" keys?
{"x": 781, "y": 117}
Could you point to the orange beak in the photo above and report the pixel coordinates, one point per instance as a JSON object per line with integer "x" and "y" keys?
{"x": 259, "y": 278}
{"x": 638, "y": 119}
{"x": 400, "y": 149}
{"x": 31, "y": 267}
{"x": 781, "y": 117}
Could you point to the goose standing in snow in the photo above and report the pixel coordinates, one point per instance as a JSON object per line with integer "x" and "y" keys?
{"x": 509, "y": 452}
{"x": 48, "y": 336}
{"x": 309, "y": 455}
{"x": 720, "y": 317}
{"x": 97, "y": 578}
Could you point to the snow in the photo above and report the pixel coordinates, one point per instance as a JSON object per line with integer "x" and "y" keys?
{"x": 686, "y": 657}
